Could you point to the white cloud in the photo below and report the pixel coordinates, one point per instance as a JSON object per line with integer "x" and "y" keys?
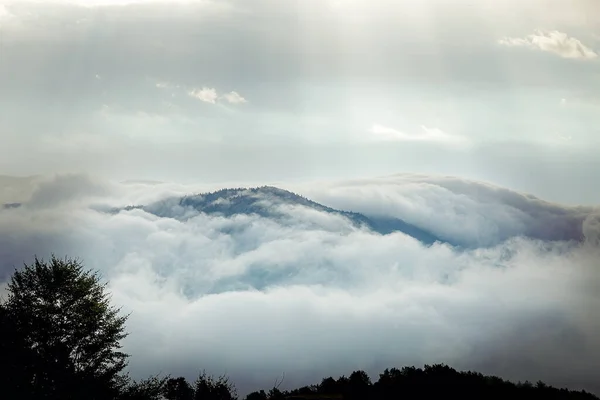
{"x": 208, "y": 95}
{"x": 312, "y": 296}
{"x": 205, "y": 94}
{"x": 555, "y": 42}
{"x": 234, "y": 98}
{"x": 426, "y": 134}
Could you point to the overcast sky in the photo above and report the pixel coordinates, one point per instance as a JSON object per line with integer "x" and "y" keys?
{"x": 265, "y": 90}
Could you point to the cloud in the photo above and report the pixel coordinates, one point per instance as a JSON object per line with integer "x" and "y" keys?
{"x": 555, "y": 42}
{"x": 17, "y": 189}
{"x": 313, "y": 296}
{"x": 210, "y": 95}
{"x": 473, "y": 214}
{"x": 205, "y": 94}
{"x": 426, "y": 135}
{"x": 234, "y": 98}
{"x": 62, "y": 190}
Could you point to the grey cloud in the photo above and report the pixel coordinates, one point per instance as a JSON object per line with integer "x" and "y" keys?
{"x": 313, "y": 296}
{"x": 16, "y": 189}
{"x": 591, "y": 229}
{"x": 476, "y": 213}
{"x": 62, "y": 189}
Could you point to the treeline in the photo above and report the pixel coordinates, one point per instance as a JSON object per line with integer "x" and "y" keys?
{"x": 60, "y": 339}
{"x": 431, "y": 382}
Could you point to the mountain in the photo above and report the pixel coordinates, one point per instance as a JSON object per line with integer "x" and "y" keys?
{"x": 267, "y": 202}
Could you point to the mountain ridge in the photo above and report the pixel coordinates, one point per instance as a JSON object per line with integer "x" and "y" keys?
{"x": 262, "y": 201}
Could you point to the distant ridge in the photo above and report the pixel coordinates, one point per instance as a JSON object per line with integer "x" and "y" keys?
{"x": 262, "y": 201}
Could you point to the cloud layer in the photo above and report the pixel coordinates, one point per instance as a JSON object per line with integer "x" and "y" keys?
{"x": 312, "y": 295}
{"x": 470, "y": 213}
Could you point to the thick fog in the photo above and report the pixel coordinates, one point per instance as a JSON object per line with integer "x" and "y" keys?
{"x": 311, "y": 295}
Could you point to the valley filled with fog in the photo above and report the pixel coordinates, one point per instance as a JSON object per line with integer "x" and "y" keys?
{"x": 298, "y": 279}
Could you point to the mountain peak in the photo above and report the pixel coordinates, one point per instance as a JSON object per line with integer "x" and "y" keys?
{"x": 272, "y": 203}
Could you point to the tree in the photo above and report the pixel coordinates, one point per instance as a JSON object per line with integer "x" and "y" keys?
{"x": 178, "y": 389}
{"x": 209, "y": 388}
{"x": 65, "y": 322}
{"x": 152, "y": 388}
{"x": 329, "y": 386}
{"x": 260, "y": 395}
{"x": 276, "y": 394}
{"x": 358, "y": 386}
{"x": 15, "y": 360}
{"x": 359, "y": 379}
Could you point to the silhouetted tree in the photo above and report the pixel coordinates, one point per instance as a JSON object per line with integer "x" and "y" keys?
{"x": 260, "y": 395}
{"x": 178, "y": 389}
{"x": 208, "y": 388}
{"x": 67, "y": 330}
{"x": 16, "y": 360}
{"x": 358, "y": 386}
{"x": 431, "y": 382}
{"x": 359, "y": 379}
{"x": 276, "y": 394}
{"x": 152, "y": 388}
{"x": 329, "y": 386}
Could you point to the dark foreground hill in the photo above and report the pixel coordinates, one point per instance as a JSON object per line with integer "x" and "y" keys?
{"x": 431, "y": 382}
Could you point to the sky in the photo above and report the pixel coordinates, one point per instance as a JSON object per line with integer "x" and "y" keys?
{"x": 229, "y": 90}
{"x": 476, "y": 121}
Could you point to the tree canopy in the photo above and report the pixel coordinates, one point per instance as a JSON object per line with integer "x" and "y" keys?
{"x": 61, "y": 320}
